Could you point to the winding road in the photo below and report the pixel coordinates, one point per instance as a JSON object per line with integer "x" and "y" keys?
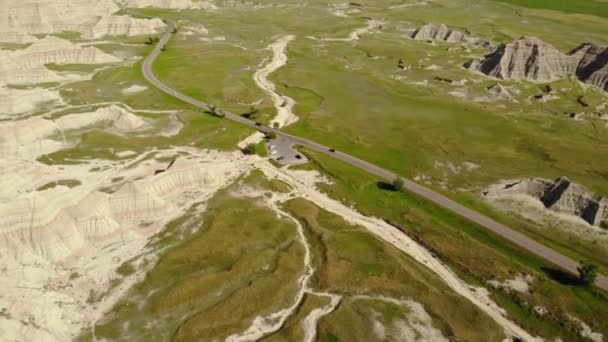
{"x": 507, "y": 233}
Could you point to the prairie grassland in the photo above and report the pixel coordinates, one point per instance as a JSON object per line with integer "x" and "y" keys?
{"x": 471, "y": 251}
{"x": 350, "y": 261}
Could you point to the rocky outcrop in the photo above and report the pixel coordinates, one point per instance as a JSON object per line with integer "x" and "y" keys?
{"x": 36, "y": 136}
{"x": 527, "y": 58}
{"x": 438, "y": 32}
{"x": 19, "y": 101}
{"x": 19, "y": 19}
{"x": 499, "y": 90}
{"x": 27, "y": 66}
{"x": 562, "y": 196}
{"x": 593, "y": 67}
{"x": 118, "y": 25}
{"x": 532, "y": 59}
{"x": 173, "y": 4}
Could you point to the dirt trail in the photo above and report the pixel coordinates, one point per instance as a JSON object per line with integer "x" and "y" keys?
{"x": 282, "y": 103}
{"x": 265, "y": 325}
{"x": 304, "y": 186}
{"x": 310, "y": 323}
{"x": 357, "y": 33}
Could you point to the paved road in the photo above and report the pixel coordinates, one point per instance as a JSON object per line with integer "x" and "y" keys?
{"x": 480, "y": 219}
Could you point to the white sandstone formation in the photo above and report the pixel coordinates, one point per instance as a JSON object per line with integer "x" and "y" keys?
{"x": 118, "y": 25}
{"x": 172, "y": 4}
{"x": 561, "y": 196}
{"x": 61, "y": 244}
{"x": 532, "y": 59}
{"x": 19, "y": 19}
{"x": 27, "y": 66}
{"x": 16, "y": 38}
{"x": 36, "y": 136}
{"x": 438, "y": 32}
{"x": 19, "y": 101}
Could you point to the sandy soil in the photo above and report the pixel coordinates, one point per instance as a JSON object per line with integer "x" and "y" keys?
{"x": 283, "y": 104}
{"x": 134, "y": 89}
{"x": 521, "y": 283}
{"x": 419, "y": 325}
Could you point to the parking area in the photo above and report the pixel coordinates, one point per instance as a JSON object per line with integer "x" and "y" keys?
{"x": 281, "y": 150}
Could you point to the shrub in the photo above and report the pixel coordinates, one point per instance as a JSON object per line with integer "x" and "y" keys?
{"x": 249, "y": 149}
{"x": 587, "y": 272}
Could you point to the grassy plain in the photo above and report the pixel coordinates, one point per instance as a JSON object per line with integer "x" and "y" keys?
{"x": 352, "y": 96}
{"x": 591, "y": 7}
{"x": 473, "y": 253}
{"x": 350, "y": 261}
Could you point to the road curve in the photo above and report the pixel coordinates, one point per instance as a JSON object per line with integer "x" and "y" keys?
{"x": 507, "y": 233}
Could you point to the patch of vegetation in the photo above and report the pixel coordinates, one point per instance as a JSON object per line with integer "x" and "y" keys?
{"x": 258, "y": 180}
{"x": 126, "y": 269}
{"x": 70, "y": 183}
{"x": 238, "y": 262}
{"x": 590, "y": 7}
{"x": 261, "y": 150}
{"x": 471, "y": 251}
{"x": 350, "y": 261}
{"x": 292, "y": 330}
{"x": 250, "y": 149}
{"x": 152, "y": 40}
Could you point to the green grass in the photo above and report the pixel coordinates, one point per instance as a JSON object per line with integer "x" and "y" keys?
{"x": 475, "y": 254}
{"x": 70, "y": 183}
{"x": 350, "y": 261}
{"x": 590, "y": 7}
{"x": 260, "y": 149}
{"x": 217, "y": 271}
{"x": 258, "y": 180}
{"x": 292, "y": 330}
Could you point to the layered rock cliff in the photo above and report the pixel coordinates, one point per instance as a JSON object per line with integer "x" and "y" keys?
{"x": 20, "y": 19}
{"x": 593, "y": 67}
{"x": 532, "y": 59}
{"x": 27, "y": 66}
{"x": 438, "y": 32}
{"x": 562, "y": 196}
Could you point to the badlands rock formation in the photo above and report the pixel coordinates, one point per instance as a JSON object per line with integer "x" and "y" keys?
{"x": 527, "y": 58}
{"x": 27, "y": 66}
{"x": 36, "y": 136}
{"x": 58, "y": 246}
{"x": 117, "y": 25}
{"x": 173, "y": 4}
{"x": 561, "y": 196}
{"x": 19, "y": 101}
{"x": 532, "y": 59}
{"x": 593, "y": 68}
{"x": 438, "y": 32}
{"x": 19, "y": 19}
